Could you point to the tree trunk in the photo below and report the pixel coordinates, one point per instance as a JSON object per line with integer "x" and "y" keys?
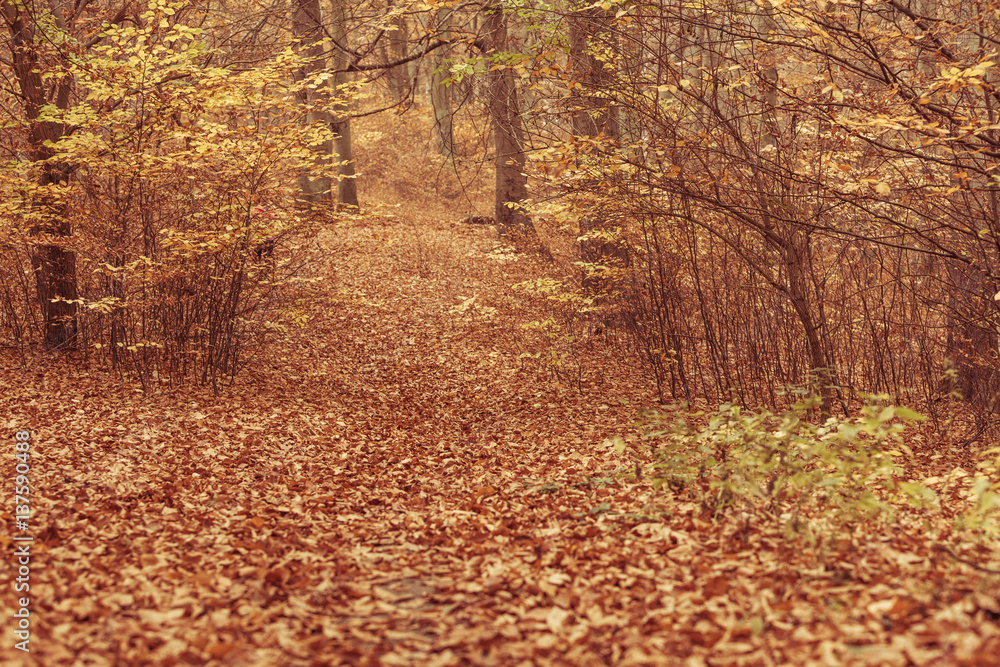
{"x": 768, "y": 85}
{"x": 795, "y": 248}
{"x": 795, "y": 242}
{"x": 439, "y": 94}
{"x": 307, "y": 26}
{"x": 347, "y": 185}
{"x": 53, "y": 263}
{"x": 399, "y": 77}
{"x": 590, "y": 32}
{"x": 973, "y": 344}
{"x": 508, "y": 134}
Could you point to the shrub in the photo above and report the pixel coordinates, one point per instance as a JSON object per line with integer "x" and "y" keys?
{"x": 183, "y": 180}
{"x": 840, "y": 472}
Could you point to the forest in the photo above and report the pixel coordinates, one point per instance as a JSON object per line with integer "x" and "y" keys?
{"x": 500, "y": 332}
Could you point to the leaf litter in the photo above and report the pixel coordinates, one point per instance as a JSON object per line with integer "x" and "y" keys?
{"x": 397, "y": 484}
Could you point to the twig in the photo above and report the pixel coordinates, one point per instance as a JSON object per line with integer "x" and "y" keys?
{"x": 962, "y": 559}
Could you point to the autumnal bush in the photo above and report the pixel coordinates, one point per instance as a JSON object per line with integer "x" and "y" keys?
{"x": 182, "y": 175}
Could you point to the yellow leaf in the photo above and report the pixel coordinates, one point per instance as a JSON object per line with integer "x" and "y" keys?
{"x": 617, "y": 443}
{"x": 882, "y": 189}
{"x": 555, "y": 618}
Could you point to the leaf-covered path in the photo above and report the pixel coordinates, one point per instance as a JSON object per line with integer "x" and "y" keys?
{"x": 395, "y": 485}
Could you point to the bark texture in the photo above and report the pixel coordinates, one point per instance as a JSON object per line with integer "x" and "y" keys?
{"x": 508, "y": 132}
{"x": 308, "y": 28}
{"x": 53, "y": 262}
{"x": 347, "y": 185}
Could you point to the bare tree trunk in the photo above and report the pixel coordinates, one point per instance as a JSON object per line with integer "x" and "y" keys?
{"x": 439, "y": 94}
{"x": 795, "y": 250}
{"x": 769, "y": 86}
{"x": 307, "y": 26}
{"x": 508, "y": 133}
{"x": 347, "y": 186}
{"x": 589, "y": 32}
{"x": 54, "y": 265}
{"x": 399, "y": 77}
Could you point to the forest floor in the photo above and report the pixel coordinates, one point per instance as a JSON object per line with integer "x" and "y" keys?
{"x": 396, "y": 484}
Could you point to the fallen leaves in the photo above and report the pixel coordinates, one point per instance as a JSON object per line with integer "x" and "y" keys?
{"x": 395, "y": 486}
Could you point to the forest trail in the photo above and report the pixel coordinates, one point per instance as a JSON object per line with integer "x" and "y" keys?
{"x": 395, "y": 485}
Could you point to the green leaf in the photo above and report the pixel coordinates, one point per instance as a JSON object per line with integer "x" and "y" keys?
{"x": 907, "y": 414}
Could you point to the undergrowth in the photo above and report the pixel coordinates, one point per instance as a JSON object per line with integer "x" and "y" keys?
{"x": 813, "y": 479}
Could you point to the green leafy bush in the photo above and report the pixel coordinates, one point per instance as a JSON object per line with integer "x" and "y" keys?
{"x": 839, "y": 472}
